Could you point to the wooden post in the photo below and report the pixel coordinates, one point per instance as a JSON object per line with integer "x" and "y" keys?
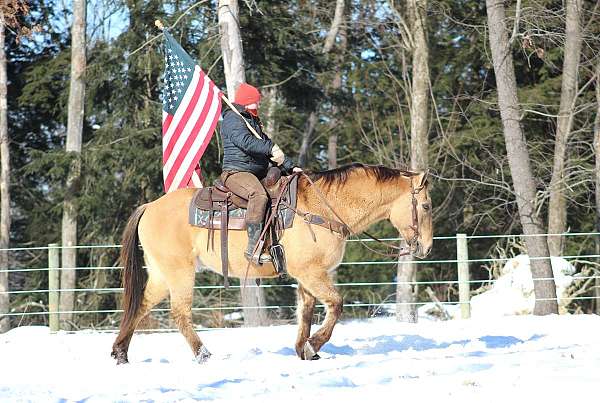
{"x": 53, "y": 286}
{"x": 462, "y": 256}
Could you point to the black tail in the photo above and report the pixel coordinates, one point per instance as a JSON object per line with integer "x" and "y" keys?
{"x": 134, "y": 274}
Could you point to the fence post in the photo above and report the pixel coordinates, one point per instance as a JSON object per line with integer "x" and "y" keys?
{"x": 53, "y": 286}
{"x": 462, "y": 255}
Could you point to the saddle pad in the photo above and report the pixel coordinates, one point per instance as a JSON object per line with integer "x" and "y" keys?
{"x": 202, "y": 219}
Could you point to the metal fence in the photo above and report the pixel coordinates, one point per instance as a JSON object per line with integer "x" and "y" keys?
{"x": 48, "y": 307}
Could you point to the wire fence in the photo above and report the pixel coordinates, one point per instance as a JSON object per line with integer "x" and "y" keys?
{"x": 34, "y": 303}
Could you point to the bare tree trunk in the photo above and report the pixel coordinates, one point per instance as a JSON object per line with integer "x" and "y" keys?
{"x": 336, "y": 84}
{"x": 332, "y": 151}
{"x": 406, "y": 310}
{"x": 309, "y": 129}
{"x": 269, "y": 103}
{"x": 74, "y": 133}
{"x": 235, "y": 74}
{"x": 231, "y": 45}
{"x": 518, "y": 159}
{"x": 338, "y": 15}
{"x": 336, "y": 24}
{"x": 597, "y": 180}
{"x": 4, "y": 187}
{"x": 557, "y": 209}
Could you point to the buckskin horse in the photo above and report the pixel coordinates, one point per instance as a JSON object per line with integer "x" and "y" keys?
{"x": 359, "y": 195}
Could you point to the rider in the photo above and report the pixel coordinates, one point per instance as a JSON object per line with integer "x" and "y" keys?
{"x": 246, "y": 161}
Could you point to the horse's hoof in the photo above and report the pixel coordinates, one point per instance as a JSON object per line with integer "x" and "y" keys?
{"x": 203, "y": 355}
{"x": 120, "y": 356}
{"x": 309, "y": 352}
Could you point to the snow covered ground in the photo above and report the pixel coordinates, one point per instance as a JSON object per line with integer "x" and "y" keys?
{"x": 506, "y": 359}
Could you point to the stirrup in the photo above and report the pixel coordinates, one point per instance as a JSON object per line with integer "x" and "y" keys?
{"x": 258, "y": 258}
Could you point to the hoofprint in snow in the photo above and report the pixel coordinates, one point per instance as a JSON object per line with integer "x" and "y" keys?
{"x": 506, "y": 359}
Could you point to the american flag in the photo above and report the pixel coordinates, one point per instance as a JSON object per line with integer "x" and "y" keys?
{"x": 191, "y": 109}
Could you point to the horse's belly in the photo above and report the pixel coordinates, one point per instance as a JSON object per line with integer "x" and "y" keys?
{"x": 208, "y": 257}
{"x": 264, "y": 271}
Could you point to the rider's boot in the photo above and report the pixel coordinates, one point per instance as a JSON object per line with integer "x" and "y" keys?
{"x": 256, "y": 257}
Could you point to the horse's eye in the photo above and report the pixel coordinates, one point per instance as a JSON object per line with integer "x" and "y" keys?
{"x": 426, "y": 207}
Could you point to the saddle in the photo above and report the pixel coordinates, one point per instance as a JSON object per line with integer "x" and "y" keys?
{"x": 217, "y": 208}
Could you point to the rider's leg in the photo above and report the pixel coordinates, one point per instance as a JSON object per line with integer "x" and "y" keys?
{"x": 246, "y": 185}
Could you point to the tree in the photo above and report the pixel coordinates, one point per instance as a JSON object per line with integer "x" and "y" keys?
{"x": 333, "y": 92}
{"x": 235, "y": 74}
{"x": 231, "y": 45}
{"x": 406, "y": 311}
{"x": 10, "y": 12}
{"x": 557, "y": 209}
{"x": 518, "y": 159}
{"x": 73, "y": 146}
{"x": 597, "y": 179}
{"x": 4, "y": 186}
{"x": 336, "y": 25}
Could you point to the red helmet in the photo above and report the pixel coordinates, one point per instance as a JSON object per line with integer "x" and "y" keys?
{"x": 247, "y": 95}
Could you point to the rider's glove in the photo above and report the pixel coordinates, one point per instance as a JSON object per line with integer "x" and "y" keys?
{"x": 277, "y": 155}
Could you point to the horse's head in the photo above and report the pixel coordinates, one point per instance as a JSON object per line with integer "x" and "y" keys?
{"x": 411, "y": 215}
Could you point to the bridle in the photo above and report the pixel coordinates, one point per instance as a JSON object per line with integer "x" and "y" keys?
{"x": 414, "y": 191}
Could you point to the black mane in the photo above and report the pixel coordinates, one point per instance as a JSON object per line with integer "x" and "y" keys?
{"x": 339, "y": 176}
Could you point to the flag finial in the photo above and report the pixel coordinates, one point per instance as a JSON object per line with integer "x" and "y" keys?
{"x": 159, "y": 24}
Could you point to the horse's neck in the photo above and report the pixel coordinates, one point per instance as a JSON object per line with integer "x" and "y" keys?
{"x": 360, "y": 202}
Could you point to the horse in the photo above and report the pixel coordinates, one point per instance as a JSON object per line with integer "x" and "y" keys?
{"x": 359, "y": 195}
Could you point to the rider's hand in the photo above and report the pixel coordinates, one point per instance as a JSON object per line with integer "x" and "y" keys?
{"x": 297, "y": 169}
{"x": 277, "y": 155}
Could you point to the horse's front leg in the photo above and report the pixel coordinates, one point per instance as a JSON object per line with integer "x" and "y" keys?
{"x": 306, "y": 307}
{"x": 321, "y": 287}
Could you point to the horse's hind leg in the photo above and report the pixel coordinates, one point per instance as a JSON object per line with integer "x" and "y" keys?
{"x": 306, "y": 307}
{"x": 322, "y": 288}
{"x": 155, "y": 291}
{"x": 182, "y": 290}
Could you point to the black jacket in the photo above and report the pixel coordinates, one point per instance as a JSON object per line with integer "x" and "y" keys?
{"x": 242, "y": 151}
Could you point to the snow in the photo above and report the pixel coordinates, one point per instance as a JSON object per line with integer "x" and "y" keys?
{"x": 550, "y": 359}
{"x": 512, "y": 293}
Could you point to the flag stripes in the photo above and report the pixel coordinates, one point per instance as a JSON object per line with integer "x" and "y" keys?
{"x": 191, "y": 109}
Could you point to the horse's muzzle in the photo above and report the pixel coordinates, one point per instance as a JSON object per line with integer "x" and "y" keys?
{"x": 419, "y": 251}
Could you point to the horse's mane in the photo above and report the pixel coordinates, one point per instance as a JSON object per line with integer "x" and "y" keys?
{"x": 339, "y": 176}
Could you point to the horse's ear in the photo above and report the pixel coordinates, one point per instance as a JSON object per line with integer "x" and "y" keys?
{"x": 422, "y": 179}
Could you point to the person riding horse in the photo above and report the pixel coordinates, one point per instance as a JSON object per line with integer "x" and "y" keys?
{"x": 246, "y": 161}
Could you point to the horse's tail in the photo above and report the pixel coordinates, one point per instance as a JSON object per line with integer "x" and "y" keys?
{"x": 134, "y": 274}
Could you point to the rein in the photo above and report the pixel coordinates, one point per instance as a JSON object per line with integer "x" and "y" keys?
{"x": 401, "y": 250}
